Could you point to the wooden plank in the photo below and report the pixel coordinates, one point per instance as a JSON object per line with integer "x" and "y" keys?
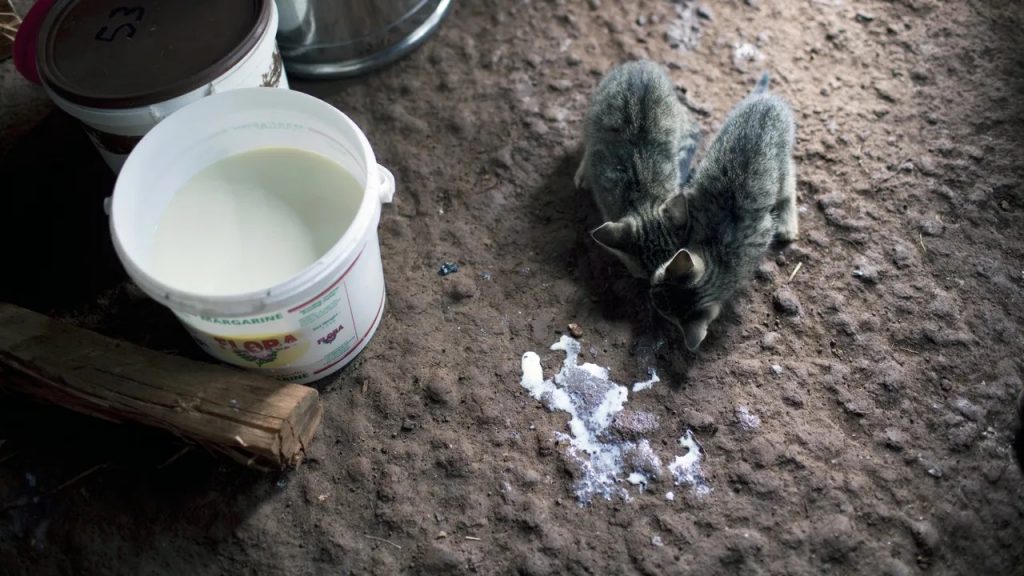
{"x": 251, "y": 418}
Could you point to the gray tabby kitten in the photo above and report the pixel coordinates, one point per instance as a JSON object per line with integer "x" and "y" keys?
{"x": 639, "y": 142}
{"x": 698, "y": 247}
{"x": 742, "y": 197}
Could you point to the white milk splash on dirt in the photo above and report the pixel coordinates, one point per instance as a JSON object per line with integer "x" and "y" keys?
{"x": 607, "y": 463}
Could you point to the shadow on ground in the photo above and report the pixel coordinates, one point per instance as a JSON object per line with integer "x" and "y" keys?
{"x": 59, "y": 261}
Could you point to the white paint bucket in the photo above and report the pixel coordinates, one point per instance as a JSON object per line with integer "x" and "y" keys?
{"x": 308, "y": 326}
{"x": 122, "y": 69}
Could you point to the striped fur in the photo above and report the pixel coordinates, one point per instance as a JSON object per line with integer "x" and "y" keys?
{"x": 698, "y": 245}
{"x": 742, "y": 197}
{"x": 639, "y": 143}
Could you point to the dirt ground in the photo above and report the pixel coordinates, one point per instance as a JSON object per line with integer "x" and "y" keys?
{"x": 883, "y": 371}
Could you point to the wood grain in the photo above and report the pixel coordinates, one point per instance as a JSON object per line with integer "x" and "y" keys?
{"x": 255, "y": 420}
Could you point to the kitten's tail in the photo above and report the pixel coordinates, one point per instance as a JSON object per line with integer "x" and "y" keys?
{"x": 691, "y": 140}
{"x": 763, "y": 85}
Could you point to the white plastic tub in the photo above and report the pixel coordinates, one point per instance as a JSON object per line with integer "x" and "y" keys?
{"x": 122, "y": 69}
{"x": 308, "y": 326}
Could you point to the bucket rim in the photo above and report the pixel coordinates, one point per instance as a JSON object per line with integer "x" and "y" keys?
{"x": 277, "y": 296}
{"x": 54, "y": 79}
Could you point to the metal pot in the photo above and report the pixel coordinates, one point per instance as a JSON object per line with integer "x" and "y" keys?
{"x": 335, "y": 38}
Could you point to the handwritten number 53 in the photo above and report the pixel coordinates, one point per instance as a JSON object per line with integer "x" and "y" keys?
{"x": 106, "y": 34}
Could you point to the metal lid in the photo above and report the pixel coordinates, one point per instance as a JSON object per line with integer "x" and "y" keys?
{"x": 129, "y": 53}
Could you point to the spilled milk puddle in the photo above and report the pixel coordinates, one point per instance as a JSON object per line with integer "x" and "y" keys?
{"x": 607, "y": 446}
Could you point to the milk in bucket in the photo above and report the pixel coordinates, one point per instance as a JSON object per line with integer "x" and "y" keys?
{"x": 253, "y": 215}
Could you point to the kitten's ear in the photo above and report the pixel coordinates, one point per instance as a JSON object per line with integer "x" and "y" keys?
{"x": 615, "y": 235}
{"x": 675, "y": 211}
{"x": 684, "y": 264}
{"x": 694, "y": 333}
{"x": 619, "y": 238}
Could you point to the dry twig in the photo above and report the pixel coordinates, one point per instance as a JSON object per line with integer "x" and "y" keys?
{"x": 386, "y": 541}
{"x": 795, "y": 270}
{"x": 77, "y": 478}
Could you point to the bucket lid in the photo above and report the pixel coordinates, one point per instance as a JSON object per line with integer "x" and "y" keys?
{"x": 117, "y": 54}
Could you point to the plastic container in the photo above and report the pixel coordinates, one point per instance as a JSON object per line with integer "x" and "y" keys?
{"x": 315, "y": 322}
{"x": 122, "y": 68}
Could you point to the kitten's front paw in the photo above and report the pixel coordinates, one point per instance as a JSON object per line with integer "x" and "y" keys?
{"x": 785, "y": 235}
{"x": 787, "y": 229}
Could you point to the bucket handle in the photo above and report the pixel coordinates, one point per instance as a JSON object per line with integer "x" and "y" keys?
{"x": 385, "y": 184}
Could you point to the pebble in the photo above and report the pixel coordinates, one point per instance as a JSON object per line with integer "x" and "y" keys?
{"x": 894, "y": 439}
{"x": 359, "y": 471}
{"x": 555, "y": 114}
{"x": 461, "y": 123}
{"x": 776, "y": 369}
{"x": 437, "y": 559}
{"x": 963, "y": 436}
{"x": 441, "y": 387}
{"x": 560, "y": 85}
{"x": 931, "y": 226}
{"x": 968, "y": 409}
{"x": 793, "y": 398}
{"x": 674, "y": 37}
{"x": 634, "y": 424}
{"x": 786, "y": 302}
{"x": 503, "y": 158}
{"x": 746, "y": 56}
{"x": 855, "y": 408}
{"x": 537, "y": 127}
{"x": 765, "y": 271}
{"x": 642, "y": 458}
{"x": 902, "y": 257}
{"x": 575, "y": 330}
{"x": 864, "y": 17}
{"x": 920, "y": 75}
{"x": 925, "y": 535}
{"x": 866, "y": 273}
{"x": 529, "y": 477}
{"x": 770, "y": 341}
{"x": 705, "y": 13}
{"x": 699, "y": 421}
{"x": 836, "y": 538}
{"x": 746, "y": 419}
